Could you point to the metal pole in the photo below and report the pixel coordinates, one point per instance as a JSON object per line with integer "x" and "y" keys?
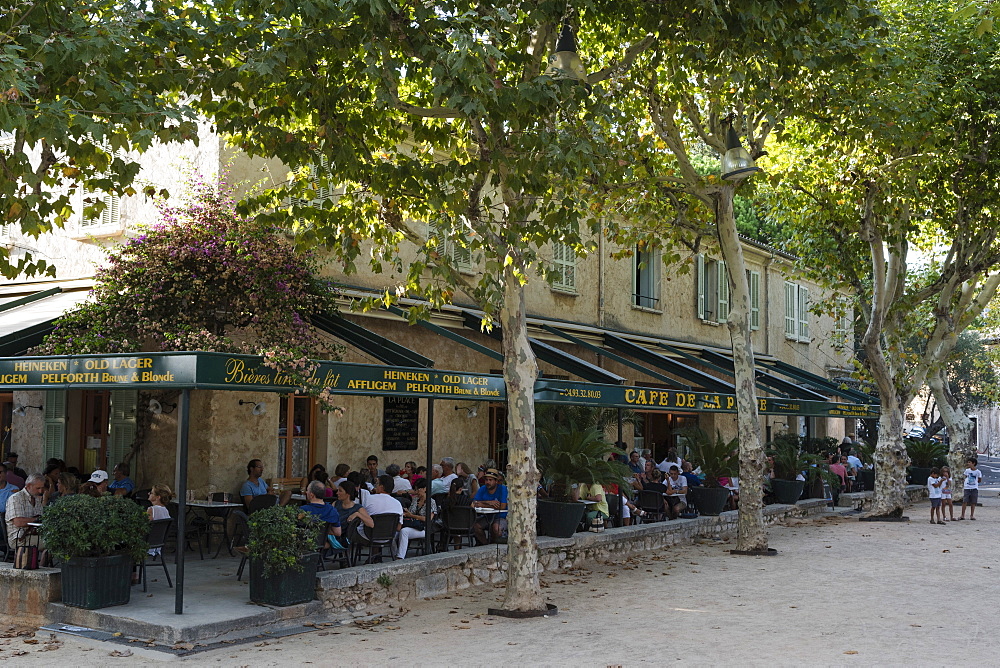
{"x": 621, "y": 487}
{"x": 428, "y": 527}
{"x": 183, "y": 423}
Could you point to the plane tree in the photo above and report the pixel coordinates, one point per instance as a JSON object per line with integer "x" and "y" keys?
{"x": 901, "y": 171}
{"x": 438, "y": 144}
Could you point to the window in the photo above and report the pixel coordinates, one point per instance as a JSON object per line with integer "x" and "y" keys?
{"x": 324, "y": 191}
{"x": 445, "y": 246}
{"x": 843, "y": 329}
{"x": 713, "y": 292}
{"x": 796, "y": 312}
{"x": 646, "y": 279}
{"x": 296, "y": 444}
{"x": 564, "y": 263}
{"x": 110, "y": 214}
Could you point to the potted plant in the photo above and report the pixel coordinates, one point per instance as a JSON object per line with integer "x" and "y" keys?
{"x": 866, "y": 476}
{"x": 924, "y": 455}
{"x": 789, "y": 461}
{"x": 567, "y": 456}
{"x": 97, "y": 541}
{"x": 283, "y": 553}
{"x": 717, "y": 459}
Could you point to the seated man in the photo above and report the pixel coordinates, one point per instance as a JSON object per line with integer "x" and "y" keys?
{"x": 693, "y": 479}
{"x": 676, "y": 495}
{"x": 378, "y": 503}
{"x": 15, "y": 476}
{"x": 254, "y": 485}
{"x": 7, "y": 489}
{"x": 316, "y": 504}
{"x": 491, "y": 495}
{"x": 100, "y": 479}
{"x": 400, "y": 485}
{"x": 122, "y": 485}
{"x": 24, "y": 507}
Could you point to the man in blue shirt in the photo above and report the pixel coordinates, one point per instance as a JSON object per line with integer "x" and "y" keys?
{"x": 6, "y": 489}
{"x": 253, "y": 486}
{"x": 634, "y": 463}
{"x": 491, "y": 496}
{"x": 122, "y": 485}
{"x": 316, "y": 504}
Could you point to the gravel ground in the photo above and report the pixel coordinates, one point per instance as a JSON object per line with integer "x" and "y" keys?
{"x": 840, "y": 592}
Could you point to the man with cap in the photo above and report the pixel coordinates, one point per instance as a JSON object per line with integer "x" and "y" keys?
{"x": 491, "y": 495}
{"x": 15, "y": 476}
{"x": 100, "y": 478}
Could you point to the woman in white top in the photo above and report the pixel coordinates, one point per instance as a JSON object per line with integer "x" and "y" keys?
{"x": 159, "y": 497}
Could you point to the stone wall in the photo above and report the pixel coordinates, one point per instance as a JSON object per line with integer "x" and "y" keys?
{"x": 27, "y": 594}
{"x": 395, "y": 582}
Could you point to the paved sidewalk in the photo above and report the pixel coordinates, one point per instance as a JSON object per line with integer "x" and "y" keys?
{"x": 840, "y": 592}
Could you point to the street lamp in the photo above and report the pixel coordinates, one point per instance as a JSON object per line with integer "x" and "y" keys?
{"x": 565, "y": 63}
{"x": 736, "y": 163}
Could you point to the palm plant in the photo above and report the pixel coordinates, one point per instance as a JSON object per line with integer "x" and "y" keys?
{"x": 716, "y": 457}
{"x": 789, "y": 460}
{"x": 926, "y": 454}
{"x": 567, "y": 456}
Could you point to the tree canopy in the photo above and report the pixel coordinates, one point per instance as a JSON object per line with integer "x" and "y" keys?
{"x": 83, "y": 83}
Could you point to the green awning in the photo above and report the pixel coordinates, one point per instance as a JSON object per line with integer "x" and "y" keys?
{"x": 698, "y": 378}
{"x": 369, "y": 342}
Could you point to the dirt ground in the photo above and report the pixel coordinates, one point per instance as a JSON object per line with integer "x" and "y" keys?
{"x": 840, "y": 592}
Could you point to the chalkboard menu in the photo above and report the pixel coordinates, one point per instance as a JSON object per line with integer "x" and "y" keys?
{"x": 400, "y": 418}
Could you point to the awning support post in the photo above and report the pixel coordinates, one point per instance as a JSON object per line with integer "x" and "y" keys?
{"x": 428, "y": 526}
{"x": 183, "y": 423}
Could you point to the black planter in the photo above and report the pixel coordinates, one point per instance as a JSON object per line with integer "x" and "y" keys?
{"x": 288, "y": 588}
{"x": 787, "y": 491}
{"x": 97, "y": 582}
{"x": 918, "y": 475}
{"x": 866, "y": 477}
{"x": 709, "y": 500}
{"x": 559, "y": 519}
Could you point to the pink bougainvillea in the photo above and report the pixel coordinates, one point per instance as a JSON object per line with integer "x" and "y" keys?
{"x": 204, "y": 278}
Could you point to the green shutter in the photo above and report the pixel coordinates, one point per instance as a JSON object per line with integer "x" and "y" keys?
{"x": 723, "y": 292}
{"x": 754, "y": 282}
{"x": 123, "y": 420}
{"x": 702, "y": 288}
{"x": 54, "y": 430}
{"x": 803, "y": 314}
{"x": 791, "y": 310}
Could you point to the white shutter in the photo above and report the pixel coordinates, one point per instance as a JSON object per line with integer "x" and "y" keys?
{"x": 791, "y": 309}
{"x": 54, "y": 428}
{"x": 803, "y": 314}
{"x": 753, "y": 280}
{"x": 723, "y": 282}
{"x": 701, "y": 287}
{"x": 564, "y": 261}
{"x": 123, "y": 421}
{"x": 462, "y": 256}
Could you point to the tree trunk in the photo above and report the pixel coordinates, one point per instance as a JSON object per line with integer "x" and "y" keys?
{"x": 751, "y": 534}
{"x": 520, "y": 370}
{"x": 891, "y": 461}
{"x": 959, "y": 429}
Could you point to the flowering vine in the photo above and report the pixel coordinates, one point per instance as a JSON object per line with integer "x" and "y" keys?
{"x": 205, "y": 278}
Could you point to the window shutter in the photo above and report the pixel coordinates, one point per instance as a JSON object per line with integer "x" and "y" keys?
{"x": 701, "y": 287}
{"x": 123, "y": 421}
{"x": 803, "y": 314}
{"x": 462, "y": 257}
{"x": 54, "y": 428}
{"x": 753, "y": 280}
{"x": 791, "y": 310}
{"x": 723, "y": 281}
{"x": 564, "y": 261}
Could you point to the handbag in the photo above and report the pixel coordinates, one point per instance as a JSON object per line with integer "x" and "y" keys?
{"x": 411, "y": 523}
{"x": 26, "y": 557}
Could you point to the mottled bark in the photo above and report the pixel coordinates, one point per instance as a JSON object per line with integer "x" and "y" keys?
{"x": 751, "y": 533}
{"x": 891, "y": 461}
{"x": 520, "y": 371}
{"x": 959, "y": 429}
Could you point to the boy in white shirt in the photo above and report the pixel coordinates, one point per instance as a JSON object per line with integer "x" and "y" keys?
{"x": 971, "y": 496}
{"x": 934, "y": 491}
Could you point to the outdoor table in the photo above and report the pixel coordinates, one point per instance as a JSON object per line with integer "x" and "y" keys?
{"x": 228, "y": 508}
{"x": 488, "y": 511}
{"x": 301, "y": 498}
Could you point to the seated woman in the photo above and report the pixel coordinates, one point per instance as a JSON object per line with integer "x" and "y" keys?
{"x": 597, "y": 510}
{"x": 414, "y": 518}
{"x": 347, "y": 507}
{"x": 317, "y": 472}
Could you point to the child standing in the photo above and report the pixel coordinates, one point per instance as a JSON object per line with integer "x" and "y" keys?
{"x": 934, "y": 490}
{"x": 946, "y": 493}
{"x": 971, "y": 496}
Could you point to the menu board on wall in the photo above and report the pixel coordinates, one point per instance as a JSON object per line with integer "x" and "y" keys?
{"x": 400, "y": 419}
